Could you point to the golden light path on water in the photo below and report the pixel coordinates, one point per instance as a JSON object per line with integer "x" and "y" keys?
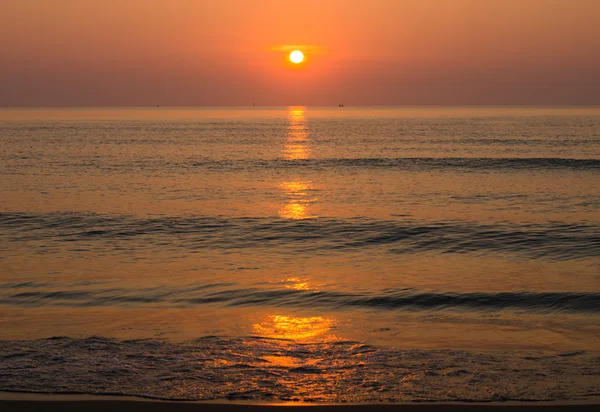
{"x": 295, "y": 328}
{"x": 298, "y": 284}
{"x": 296, "y": 147}
{"x": 299, "y": 199}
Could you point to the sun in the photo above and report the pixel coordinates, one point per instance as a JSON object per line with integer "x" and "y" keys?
{"x": 296, "y": 57}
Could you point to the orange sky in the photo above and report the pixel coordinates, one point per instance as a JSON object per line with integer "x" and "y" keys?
{"x": 205, "y": 52}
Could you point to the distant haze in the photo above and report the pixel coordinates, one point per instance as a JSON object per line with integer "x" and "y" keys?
{"x": 232, "y": 52}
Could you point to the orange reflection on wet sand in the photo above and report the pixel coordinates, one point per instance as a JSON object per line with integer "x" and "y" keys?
{"x": 294, "y": 328}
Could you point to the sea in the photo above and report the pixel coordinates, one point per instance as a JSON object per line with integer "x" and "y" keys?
{"x": 301, "y": 254}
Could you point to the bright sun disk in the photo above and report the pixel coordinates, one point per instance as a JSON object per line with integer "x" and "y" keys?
{"x": 296, "y": 56}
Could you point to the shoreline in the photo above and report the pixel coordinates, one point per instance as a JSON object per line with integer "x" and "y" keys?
{"x": 33, "y": 402}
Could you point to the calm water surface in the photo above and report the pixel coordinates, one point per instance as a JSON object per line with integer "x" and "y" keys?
{"x": 355, "y": 254}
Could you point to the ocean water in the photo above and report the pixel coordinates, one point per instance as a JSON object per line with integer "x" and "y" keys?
{"x": 304, "y": 254}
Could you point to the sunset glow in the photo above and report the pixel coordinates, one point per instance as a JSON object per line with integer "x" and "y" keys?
{"x": 388, "y": 52}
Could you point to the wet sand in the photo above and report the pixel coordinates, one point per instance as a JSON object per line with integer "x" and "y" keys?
{"x": 66, "y": 403}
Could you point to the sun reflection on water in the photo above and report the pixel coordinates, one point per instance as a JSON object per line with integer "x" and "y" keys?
{"x": 298, "y": 197}
{"x": 293, "y": 211}
{"x": 296, "y": 147}
{"x": 297, "y": 283}
{"x": 298, "y": 193}
{"x": 294, "y": 328}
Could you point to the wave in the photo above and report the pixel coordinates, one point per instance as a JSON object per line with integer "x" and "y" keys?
{"x": 235, "y": 296}
{"x": 416, "y": 163}
{"x": 409, "y": 164}
{"x": 254, "y": 368}
{"x": 554, "y": 240}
